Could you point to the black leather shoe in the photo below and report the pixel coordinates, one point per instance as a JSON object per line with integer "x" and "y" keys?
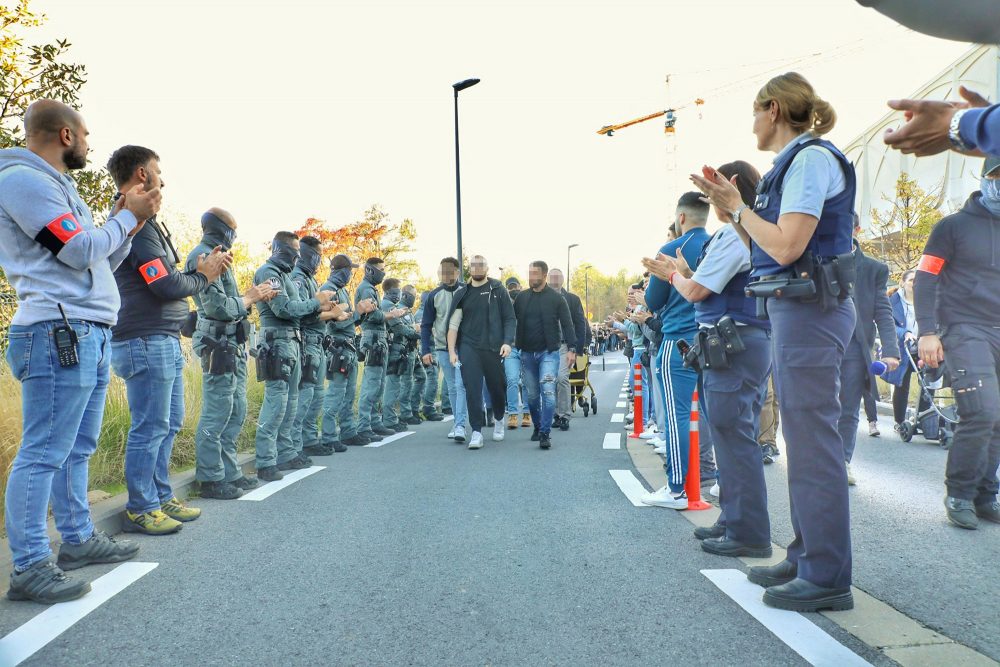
{"x": 723, "y": 546}
{"x": 432, "y": 416}
{"x": 706, "y": 532}
{"x": 246, "y": 483}
{"x": 220, "y": 490}
{"x": 318, "y": 450}
{"x": 989, "y": 511}
{"x": 400, "y": 428}
{"x": 802, "y": 595}
{"x": 383, "y": 430}
{"x": 269, "y": 474}
{"x": 564, "y": 423}
{"x": 356, "y": 441}
{"x": 414, "y": 421}
{"x": 535, "y": 436}
{"x": 372, "y": 436}
{"x": 339, "y": 447}
{"x": 293, "y": 464}
{"x": 543, "y": 441}
{"x": 447, "y": 411}
{"x": 772, "y": 575}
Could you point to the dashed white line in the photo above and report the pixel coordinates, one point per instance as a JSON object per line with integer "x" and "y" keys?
{"x": 388, "y": 439}
{"x": 800, "y": 634}
{"x": 612, "y": 441}
{"x": 621, "y": 404}
{"x": 271, "y": 488}
{"x": 630, "y": 486}
{"x": 618, "y": 418}
{"x": 28, "y": 639}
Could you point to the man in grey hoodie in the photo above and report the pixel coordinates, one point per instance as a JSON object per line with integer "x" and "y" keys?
{"x": 59, "y": 348}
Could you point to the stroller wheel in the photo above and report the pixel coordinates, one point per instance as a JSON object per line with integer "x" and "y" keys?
{"x": 593, "y": 404}
{"x": 907, "y": 430}
{"x": 581, "y": 401}
{"x": 586, "y": 409}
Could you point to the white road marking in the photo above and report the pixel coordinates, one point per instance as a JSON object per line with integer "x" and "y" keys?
{"x": 630, "y": 486}
{"x": 612, "y": 441}
{"x": 618, "y": 418}
{"x": 616, "y": 361}
{"x": 799, "y": 633}
{"x": 28, "y": 639}
{"x": 271, "y": 488}
{"x": 388, "y": 439}
{"x": 448, "y": 418}
{"x": 621, "y": 404}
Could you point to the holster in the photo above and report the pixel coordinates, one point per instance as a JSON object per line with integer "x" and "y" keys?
{"x": 309, "y": 372}
{"x": 218, "y": 357}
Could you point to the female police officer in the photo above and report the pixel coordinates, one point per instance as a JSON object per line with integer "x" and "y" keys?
{"x": 799, "y": 233}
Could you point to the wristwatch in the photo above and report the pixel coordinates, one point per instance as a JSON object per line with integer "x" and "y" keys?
{"x": 738, "y": 213}
{"x": 953, "y": 134}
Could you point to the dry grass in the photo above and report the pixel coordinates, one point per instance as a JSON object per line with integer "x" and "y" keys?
{"x": 107, "y": 466}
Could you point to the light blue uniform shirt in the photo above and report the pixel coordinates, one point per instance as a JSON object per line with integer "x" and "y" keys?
{"x": 813, "y": 177}
{"x": 727, "y": 255}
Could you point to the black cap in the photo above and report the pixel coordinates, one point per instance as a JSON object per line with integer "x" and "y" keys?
{"x": 342, "y": 262}
{"x": 512, "y": 281}
{"x": 991, "y": 164}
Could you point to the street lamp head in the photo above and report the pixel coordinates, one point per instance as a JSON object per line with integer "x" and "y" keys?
{"x": 462, "y": 85}
{"x": 574, "y": 245}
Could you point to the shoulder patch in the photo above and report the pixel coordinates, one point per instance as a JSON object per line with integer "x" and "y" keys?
{"x": 153, "y": 271}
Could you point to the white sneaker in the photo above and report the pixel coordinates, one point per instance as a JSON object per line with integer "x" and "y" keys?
{"x": 662, "y": 449}
{"x": 499, "y": 430}
{"x": 665, "y": 498}
{"x": 477, "y": 440}
{"x": 851, "y": 479}
{"x": 459, "y": 434}
{"x": 657, "y": 442}
{"x": 648, "y": 433}
{"x": 451, "y": 434}
{"x": 714, "y": 491}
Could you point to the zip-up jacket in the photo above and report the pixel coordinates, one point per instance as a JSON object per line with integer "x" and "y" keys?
{"x": 556, "y": 320}
{"x": 502, "y": 324}
{"x": 286, "y": 308}
{"x": 434, "y": 322}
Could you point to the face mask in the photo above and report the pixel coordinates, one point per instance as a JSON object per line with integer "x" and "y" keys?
{"x": 373, "y": 274}
{"x": 309, "y": 259}
{"x": 393, "y": 294}
{"x": 340, "y": 277}
{"x": 513, "y": 293}
{"x": 217, "y": 231}
{"x": 990, "y": 190}
{"x": 408, "y": 299}
{"x": 284, "y": 255}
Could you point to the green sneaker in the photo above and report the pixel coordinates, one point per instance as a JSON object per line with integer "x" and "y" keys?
{"x": 178, "y": 511}
{"x": 150, "y": 523}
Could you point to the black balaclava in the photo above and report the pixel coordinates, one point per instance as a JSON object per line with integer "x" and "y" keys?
{"x": 283, "y": 255}
{"x": 308, "y": 259}
{"x": 393, "y": 294}
{"x": 408, "y": 299}
{"x": 216, "y": 231}
{"x": 373, "y": 274}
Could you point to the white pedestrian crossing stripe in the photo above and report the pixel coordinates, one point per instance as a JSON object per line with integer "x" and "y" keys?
{"x": 612, "y": 441}
{"x": 630, "y": 486}
{"x": 618, "y": 418}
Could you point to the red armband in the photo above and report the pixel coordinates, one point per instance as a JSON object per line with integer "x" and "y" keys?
{"x": 931, "y": 264}
{"x": 57, "y": 233}
{"x": 153, "y": 271}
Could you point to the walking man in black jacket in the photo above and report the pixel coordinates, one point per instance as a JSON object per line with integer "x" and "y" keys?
{"x": 146, "y": 351}
{"x": 543, "y": 320}
{"x": 956, "y": 296}
{"x": 480, "y": 334}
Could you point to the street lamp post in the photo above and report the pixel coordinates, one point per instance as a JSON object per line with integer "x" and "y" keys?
{"x": 568, "y": 248}
{"x": 461, "y": 85}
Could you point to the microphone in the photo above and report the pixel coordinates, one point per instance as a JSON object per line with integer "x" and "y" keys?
{"x": 879, "y": 367}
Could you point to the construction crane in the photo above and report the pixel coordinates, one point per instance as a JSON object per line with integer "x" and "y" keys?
{"x": 668, "y": 123}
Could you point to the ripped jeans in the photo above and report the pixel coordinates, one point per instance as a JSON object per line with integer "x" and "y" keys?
{"x": 540, "y": 371}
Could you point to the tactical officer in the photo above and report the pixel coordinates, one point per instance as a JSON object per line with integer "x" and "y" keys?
{"x": 375, "y": 348}
{"x": 732, "y": 349}
{"x": 305, "y": 426}
{"x": 340, "y": 425}
{"x": 279, "y": 359}
{"x": 398, "y": 337}
{"x": 957, "y": 306}
{"x": 409, "y": 409}
{"x": 146, "y": 351}
{"x": 800, "y": 238}
{"x": 220, "y": 340}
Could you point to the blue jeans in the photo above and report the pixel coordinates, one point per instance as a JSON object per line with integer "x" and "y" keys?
{"x": 62, "y": 410}
{"x": 512, "y": 369}
{"x": 541, "y": 371}
{"x": 455, "y": 388}
{"x": 152, "y": 367}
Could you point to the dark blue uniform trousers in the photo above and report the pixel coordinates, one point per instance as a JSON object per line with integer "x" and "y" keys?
{"x": 809, "y": 348}
{"x": 733, "y": 399}
{"x": 855, "y": 376}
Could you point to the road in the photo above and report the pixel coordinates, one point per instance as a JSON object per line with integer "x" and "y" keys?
{"x": 421, "y": 552}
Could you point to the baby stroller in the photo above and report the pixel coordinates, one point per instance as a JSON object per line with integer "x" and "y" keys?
{"x": 579, "y": 380}
{"x": 938, "y": 421}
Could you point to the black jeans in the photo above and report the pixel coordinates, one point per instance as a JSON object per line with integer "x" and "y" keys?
{"x": 973, "y": 355}
{"x": 478, "y": 366}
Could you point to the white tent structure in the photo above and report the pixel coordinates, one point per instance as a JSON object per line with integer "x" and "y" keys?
{"x": 956, "y": 175}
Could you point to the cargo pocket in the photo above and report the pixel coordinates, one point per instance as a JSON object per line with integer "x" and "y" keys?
{"x": 968, "y": 395}
{"x": 806, "y": 374}
{"x": 722, "y": 400}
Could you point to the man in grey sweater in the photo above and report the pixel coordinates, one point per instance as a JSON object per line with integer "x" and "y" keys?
{"x": 61, "y": 266}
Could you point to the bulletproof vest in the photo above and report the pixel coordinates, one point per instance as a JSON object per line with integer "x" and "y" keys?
{"x": 832, "y": 236}
{"x": 732, "y": 301}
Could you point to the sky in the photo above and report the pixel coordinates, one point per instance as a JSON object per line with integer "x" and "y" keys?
{"x": 283, "y": 111}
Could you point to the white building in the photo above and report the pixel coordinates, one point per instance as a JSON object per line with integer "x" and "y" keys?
{"x": 878, "y": 167}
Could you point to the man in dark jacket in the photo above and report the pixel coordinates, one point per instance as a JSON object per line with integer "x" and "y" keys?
{"x": 146, "y": 351}
{"x": 957, "y": 304}
{"x": 481, "y": 331}
{"x": 873, "y": 309}
{"x": 543, "y": 320}
{"x": 580, "y": 327}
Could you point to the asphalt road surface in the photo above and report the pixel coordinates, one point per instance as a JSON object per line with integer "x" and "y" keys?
{"x": 422, "y": 552}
